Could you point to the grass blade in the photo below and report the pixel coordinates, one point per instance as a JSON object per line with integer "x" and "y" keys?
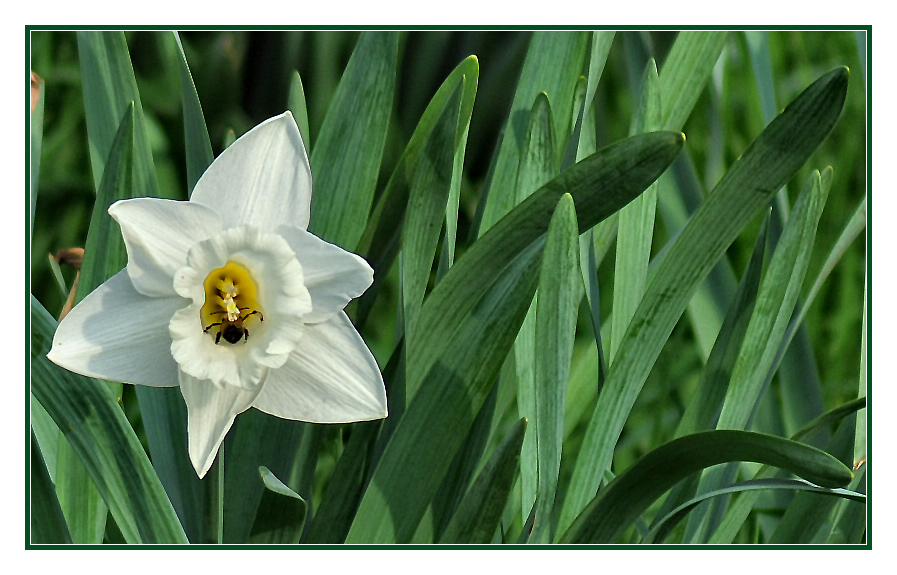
{"x": 685, "y": 72}
{"x": 600, "y": 185}
{"x": 381, "y": 241}
{"x": 537, "y": 166}
{"x": 775, "y": 304}
{"x": 665, "y": 525}
{"x": 436, "y": 420}
{"x": 104, "y": 256}
{"x": 281, "y": 512}
{"x": 849, "y": 525}
{"x": 343, "y": 492}
{"x": 625, "y": 498}
{"x": 738, "y": 510}
{"x": 479, "y": 514}
{"x": 297, "y": 105}
{"x": 635, "y": 229}
{"x": 553, "y": 64}
{"x": 430, "y": 189}
{"x": 859, "y": 449}
{"x": 109, "y": 88}
{"x": 346, "y": 157}
{"x": 198, "y": 147}
{"x": 707, "y": 399}
{"x": 746, "y": 189}
{"x": 258, "y": 440}
{"x": 103, "y": 439}
{"x": 808, "y": 514}
{"x": 47, "y": 522}
{"x": 560, "y": 292}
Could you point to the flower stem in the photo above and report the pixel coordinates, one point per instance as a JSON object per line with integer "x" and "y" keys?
{"x": 221, "y": 493}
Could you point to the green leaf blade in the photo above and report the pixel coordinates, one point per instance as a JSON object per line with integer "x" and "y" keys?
{"x": 775, "y": 305}
{"x": 198, "y": 146}
{"x": 47, "y": 521}
{"x": 104, "y": 441}
{"x": 560, "y": 292}
{"x": 553, "y": 64}
{"x": 430, "y": 189}
{"x": 109, "y": 88}
{"x": 479, "y": 513}
{"x": 623, "y": 500}
{"x": 635, "y": 229}
{"x": 537, "y": 166}
{"x": 685, "y": 72}
{"x": 381, "y": 241}
{"x": 346, "y": 157}
{"x": 746, "y": 189}
{"x": 281, "y": 513}
{"x": 600, "y": 185}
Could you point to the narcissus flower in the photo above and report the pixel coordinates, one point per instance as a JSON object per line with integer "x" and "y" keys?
{"x": 228, "y": 296}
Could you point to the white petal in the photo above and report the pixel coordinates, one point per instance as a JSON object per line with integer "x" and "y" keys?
{"x": 333, "y": 276}
{"x": 158, "y": 233}
{"x": 330, "y": 378}
{"x": 262, "y": 179}
{"x": 119, "y": 334}
{"x": 210, "y": 413}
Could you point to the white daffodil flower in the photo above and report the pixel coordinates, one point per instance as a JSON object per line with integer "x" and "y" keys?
{"x": 228, "y": 296}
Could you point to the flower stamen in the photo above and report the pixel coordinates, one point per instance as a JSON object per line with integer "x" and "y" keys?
{"x": 229, "y": 292}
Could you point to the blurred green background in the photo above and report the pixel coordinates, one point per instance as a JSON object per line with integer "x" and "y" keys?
{"x": 242, "y": 78}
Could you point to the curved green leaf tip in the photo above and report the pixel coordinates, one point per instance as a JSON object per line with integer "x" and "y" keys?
{"x": 625, "y": 498}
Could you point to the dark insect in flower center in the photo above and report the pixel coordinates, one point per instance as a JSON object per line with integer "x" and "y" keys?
{"x": 231, "y": 299}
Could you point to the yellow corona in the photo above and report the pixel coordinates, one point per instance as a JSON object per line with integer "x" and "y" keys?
{"x": 231, "y": 300}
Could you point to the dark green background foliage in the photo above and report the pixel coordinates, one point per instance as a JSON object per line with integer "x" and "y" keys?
{"x": 243, "y": 78}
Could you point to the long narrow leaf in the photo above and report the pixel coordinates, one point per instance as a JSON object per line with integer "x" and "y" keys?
{"x": 434, "y": 425}
{"x": 738, "y": 511}
{"x": 281, "y": 512}
{"x": 297, "y": 105}
{"x": 479, "y": 513}
{"x": 104, "y": 256}
{"x": 635, "y": 229}
{"x": 808, "y": 514}
{"x": 100, "y": 434}
{"x": 343, "y": 492}
{"x": 380, "y": 243}
{"x": 198, "y": 147}
{"x": 346, "y": 157}
{"x": 537, "y": 166}
{"x": 109, "y": 88}
{"x": 849, "y": 525}
{"x": 600, "y": 185}
{"x": 710, "y": 392}
{"x": 560, "y": 291}
{"x": 668, "y": 522}
{"x": 685, "y": 72}
{"x": 770, "y": 161}
{"x": 553, "y": 65}
{"x": 430, "y": 188}
{"x": 259, "y": 440}
{"x": 775, "y": 304}
{"x": 47, "y": 522}
{"x": 617, "y": 506}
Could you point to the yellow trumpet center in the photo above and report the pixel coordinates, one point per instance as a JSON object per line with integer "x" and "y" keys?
{"x": 231, "y": 299}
